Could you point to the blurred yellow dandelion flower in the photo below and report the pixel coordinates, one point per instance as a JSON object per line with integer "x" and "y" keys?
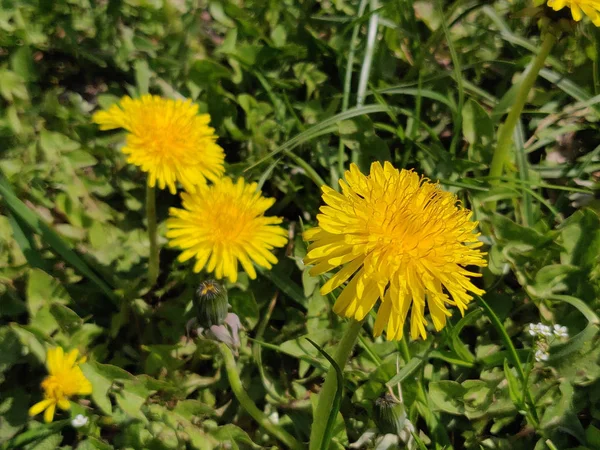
{"x": 590, "y": 8}
{"x": 168, "y": 139}
{"x": 224, "y": 223}
{"x": 65, "y": 380}
{"x": 400, "y": 239}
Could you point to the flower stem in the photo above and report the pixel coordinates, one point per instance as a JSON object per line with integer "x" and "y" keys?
{"x": 505, "y": 133}
{"x": 513, "y": 357}
{"x": 240, "y": 393}
{"x": 329, "y": 389}
{"x": 152, "y": 235}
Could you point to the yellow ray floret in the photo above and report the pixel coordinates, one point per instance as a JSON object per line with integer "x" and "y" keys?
{"x": 590, "y": 8}
{"x": 397, "y": 238}
{"x": 65, "y": 380}
{"x": 223, "y": 224}
{"x": 168, "y": 139}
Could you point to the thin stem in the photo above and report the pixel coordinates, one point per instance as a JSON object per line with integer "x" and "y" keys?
{"x": 240, "y": 393}
{"x": 512, "y": 356}
{"x": 328, "y": 391}
{"x": 310, "y": 172}
{"x": 152, "y": 235}
{"x": 505, "y": 133}
{"x": 348, "y": 86}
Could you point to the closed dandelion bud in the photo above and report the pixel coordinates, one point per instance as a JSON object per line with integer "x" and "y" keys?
{"x": 390, "y": 415}
{"x": 211, "y": 304}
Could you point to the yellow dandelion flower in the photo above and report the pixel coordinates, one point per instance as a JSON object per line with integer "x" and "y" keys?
{"x": 65, "y": 380}
{"x": 400, "y": 239}
{"x": 590, "y": 8}
{"x": 168, "y": 139}
{"x": 224, "y": 223}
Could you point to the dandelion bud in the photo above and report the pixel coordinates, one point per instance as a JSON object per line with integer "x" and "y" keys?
{"x": 211, "y": 304}
{"x": 390, "y": 415}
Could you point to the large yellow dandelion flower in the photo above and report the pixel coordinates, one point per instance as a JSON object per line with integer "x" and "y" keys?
{"x": 400, "y": 239}
{"x": 224, "y": 223}
{"x": 168, "y": 139}
{"x": 590, "y": 8}
{"x": 65, "y": 380}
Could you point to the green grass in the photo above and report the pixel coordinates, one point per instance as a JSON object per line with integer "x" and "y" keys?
{"x": 296, "y": 91}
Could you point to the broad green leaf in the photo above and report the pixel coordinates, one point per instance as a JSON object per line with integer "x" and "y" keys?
{"x": 191, "y": 408}
{"x": 102, "y": 377}
{"x": 515, "y": 388}
{"x": 580, "y": 235}
{"x": 244, "y": 305}
{"x": 66, "y": 318}
{"x": 448, "y": 396}
{"x": 132, "y": 397}
{"x": 43, "y": 290}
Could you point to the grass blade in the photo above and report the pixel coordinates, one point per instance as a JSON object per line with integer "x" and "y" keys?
{"x": 24, "y": 238}
{"x": 58, "y": 245}
{"x": 459, "y": 82}
{"x": 326, "y": 126}
{"x": 348, "y": 85}
{"x": 335, "y": 408}
{"x": 512, "y": 353}
{"x": 426, "y": 93}
{"x": 523, "y": 165}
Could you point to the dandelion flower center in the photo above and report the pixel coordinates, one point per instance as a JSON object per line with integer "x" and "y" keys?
{"x": 223, "y": 224}
{"x": 168, "y": 139}
{"x": 398, "y": 238}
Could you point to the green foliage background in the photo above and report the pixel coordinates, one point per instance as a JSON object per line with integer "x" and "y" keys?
{"x": 272, "y": 75}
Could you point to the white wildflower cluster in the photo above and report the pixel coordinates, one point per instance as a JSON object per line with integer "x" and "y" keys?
{"x": 539, "y": 329}
{"x": 544, "y": 335}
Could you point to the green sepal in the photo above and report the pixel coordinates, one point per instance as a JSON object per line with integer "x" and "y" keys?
{"x": 211, "y": 303}
{"x": 390, "y": 415}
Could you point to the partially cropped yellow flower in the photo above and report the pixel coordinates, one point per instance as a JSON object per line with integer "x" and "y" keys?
{"x": 590, "y": 8}
{"x": 65, "y": 380}
{"x": 168, "y": 139}
{"x": 398, "y": 238}
{"x": 224, "y": 223}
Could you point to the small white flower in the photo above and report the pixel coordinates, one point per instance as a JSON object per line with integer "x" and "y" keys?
{"x": 532, "y": 329}
{"x": 79, "y": 421}
{"x": 541, "y": 355}
{"x": 561, "y": 331}
{"x": 274, "y": 417}
{"x": 545, "y": 330}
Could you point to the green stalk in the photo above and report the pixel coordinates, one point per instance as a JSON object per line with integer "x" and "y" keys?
{"x": 152, "y": 235}
{"x": 327, "y": 395}
{"x": 513, "y": 357}
{"x": 240, "y": 393}
{"x": 505, "y": 133}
